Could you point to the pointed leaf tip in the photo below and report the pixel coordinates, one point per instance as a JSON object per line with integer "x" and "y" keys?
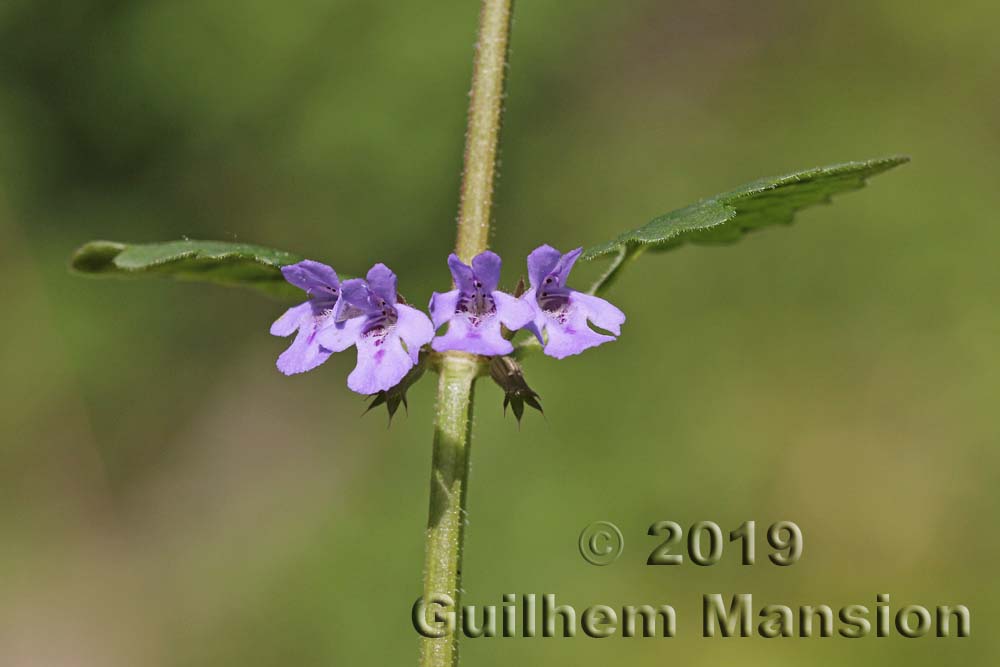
{"x": 96, "y": 257}
{"x": 218, "y": 262}
{"x": 725, "y": 218}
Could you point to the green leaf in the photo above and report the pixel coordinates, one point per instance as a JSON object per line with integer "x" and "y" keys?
{"x": 234, "y": 264}
{"x": 727, "y": 217}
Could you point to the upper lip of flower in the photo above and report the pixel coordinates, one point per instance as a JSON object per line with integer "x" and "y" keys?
{"x": 383, "y": 316}
{"x": 477, "y": 280}
{"x": 374, "y": 299}
{"x": 548, "y": 270}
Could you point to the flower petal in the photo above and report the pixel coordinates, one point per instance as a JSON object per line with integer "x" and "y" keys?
{"x": 514, "y": 313}
{"x": 414, "y": 328}
{"x": 442, "y": 306}
{"x": 485, "y": 339}
{"x": 382, "y": 362}
{"x": 567, "y": 328}
{"x": 382, "y": 282}
{"x": 461, "y": 274}
{"x": 486, "y": 266}
{"x": 600, "y": 312}
{"x": 355, "y": 297}
{"x": 538, "y": 318}
{"x": 454, "y": 337}
{"x": 313, "y": 277}
{"x": 288, "y": 323}
{"x": 541, "y": 262}
{"x": 565, "y": 341}
{"x": 565, "y": 265}
{"x": 339, "y": 336}
{"x": 305, "y": 353}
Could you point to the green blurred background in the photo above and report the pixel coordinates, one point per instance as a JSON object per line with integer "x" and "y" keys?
{"x": 168, "y": 498}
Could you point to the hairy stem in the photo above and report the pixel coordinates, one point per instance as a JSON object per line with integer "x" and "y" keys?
{"x": 449, "y": 486}
{"x": 458, "y": 371}
{"x": 482, "y": 137}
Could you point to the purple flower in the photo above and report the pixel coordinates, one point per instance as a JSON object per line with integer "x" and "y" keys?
{"x": 369, "y": 316}
{"x": 563, "y": 312}
{"x": 309, "y": 318}
{"x": 476, "y": 309}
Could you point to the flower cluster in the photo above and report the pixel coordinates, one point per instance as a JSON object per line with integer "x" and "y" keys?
{"x": 389, "y": 334}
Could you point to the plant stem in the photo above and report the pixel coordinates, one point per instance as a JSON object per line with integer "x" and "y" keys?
{"x": 482, "y": 137}
{"x": 458, "y": 371}
{"x": 449, "y": 488}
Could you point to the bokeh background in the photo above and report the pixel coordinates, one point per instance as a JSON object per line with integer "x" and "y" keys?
{"x": 168, "y": 498}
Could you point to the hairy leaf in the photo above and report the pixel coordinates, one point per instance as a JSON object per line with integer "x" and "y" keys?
{"x": 727, "y": 217}
{"x": 239, "y": 264}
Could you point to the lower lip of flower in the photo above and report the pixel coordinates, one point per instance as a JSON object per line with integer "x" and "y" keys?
{"x": 560, "y": 315}
{"x": 476, "y": 320}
